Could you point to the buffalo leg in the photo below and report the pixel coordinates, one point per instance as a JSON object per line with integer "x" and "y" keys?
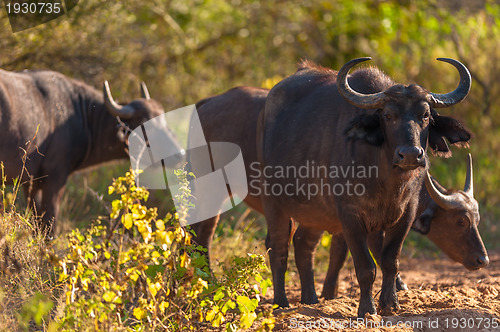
{"x": 34, "y": 197}
{"x": 305, "y": 242}
{"x": 338, "y": 256}
{"x": 204, "y": 234}
{"x": 52, "y": 193}
{"x": 45, "y": 205}
{"x": 393, "y": 242}
{"x": 278, "y": 235}
{"x": 356, "y": 237}
{"x": 375, "y": 243}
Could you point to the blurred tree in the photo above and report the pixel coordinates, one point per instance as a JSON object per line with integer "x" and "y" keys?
{"x": 189, "y": 49}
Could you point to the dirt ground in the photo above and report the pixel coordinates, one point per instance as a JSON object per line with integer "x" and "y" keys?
{"x": 442, "y": 296}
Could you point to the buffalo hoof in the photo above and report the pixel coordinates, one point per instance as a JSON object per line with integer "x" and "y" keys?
{"x": 388, "y": 308}
{"x": 282, "y": 303}
{"x": 388, "y": 303}
{"x": 365, "y": 308}
{"x": 400, "y": 285}
{"x": 389, "y": 311}
{"x": 309, "y": 299}
{"x": 329, "y": 295}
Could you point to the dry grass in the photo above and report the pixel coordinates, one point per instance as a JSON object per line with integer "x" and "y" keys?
{"x": 27, "y": 278}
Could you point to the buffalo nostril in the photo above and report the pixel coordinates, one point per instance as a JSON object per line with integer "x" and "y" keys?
{"x": 483, "y": 261}
{"x": 421, "y": 155}
{"x": 410, "y": 154}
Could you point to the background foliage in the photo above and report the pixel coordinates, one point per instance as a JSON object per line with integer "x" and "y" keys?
{"x": 187, "y": 50}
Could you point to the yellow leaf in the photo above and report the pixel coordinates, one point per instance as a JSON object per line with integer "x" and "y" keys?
{"x": 160, "y": 225}
{"x": 139, "y": 313}
{"x": 154, "y": 287}
{"x": 138, "y": 211}
{"x": 326, "y": 240}
{"x": 127, "y": 221}
{"x": 164, "y": 305}
{"x": 85, "y": 284}
{"x": 187, "y": 239}
{"x": 211, "y": 313}
{"x": 155, "y": 254}
{"x": 108, "y": 296}
{"x": 123, "y": 258}
{"x": 134, "y": 276}
{"x": 170, "y": 237}
{"x": 184, "y": 258}
{"x": 247, "y": 319}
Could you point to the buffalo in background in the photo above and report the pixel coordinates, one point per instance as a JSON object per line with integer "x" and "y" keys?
{"x": 70, "y": 127}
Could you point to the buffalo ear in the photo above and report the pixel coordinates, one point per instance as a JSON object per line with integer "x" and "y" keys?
{"x": 422, "y": 223}
{"x": 365, "y": 127}
{"x": 446, "y": 127}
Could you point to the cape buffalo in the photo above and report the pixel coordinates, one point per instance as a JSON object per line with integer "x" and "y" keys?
{"x": 440, "y": 211}
{"x": 320, "y": 117}
{"x": 70, "y": 125}
{"x": 232, "y": 117}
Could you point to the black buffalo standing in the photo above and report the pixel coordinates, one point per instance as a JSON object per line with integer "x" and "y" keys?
{"x": 321, "y": 116}
{"x": 76, "y": 127}
{"x": 233, "y": 116}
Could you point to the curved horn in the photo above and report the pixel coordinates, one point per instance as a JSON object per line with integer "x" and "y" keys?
{"x": 457, "y": 95}
{"x": 469, "y": 181}
{"x": 445, "y": 201}
{"x": 357, "y": 99}
{"x": 438, "y": 185}
{"x": 144, "y": 91}
{"x": 113, "y": 107}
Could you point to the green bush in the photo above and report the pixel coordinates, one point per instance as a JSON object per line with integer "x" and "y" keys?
{"x": 143, "y": 273}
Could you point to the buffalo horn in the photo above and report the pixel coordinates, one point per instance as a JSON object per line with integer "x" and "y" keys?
{"x": 469, "y": 182}
{"x": 144, "y": 91}
{"x": 113, "y": 107}
{"x": 443, "y": 200}
{"x": 457, "y": 95}
{"x": 357, "y": 99}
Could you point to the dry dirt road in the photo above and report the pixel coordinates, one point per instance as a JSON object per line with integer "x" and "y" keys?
{"x": 442, "y": 296}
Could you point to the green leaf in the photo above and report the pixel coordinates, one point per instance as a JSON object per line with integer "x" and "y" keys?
{"x": 228, "y": 305}
{"x": 36, "y": 308}
{"x": 219, "y": 295}
{"x": 265, "y": 284}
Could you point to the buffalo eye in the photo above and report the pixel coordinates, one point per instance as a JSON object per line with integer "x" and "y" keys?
{"x": 387, "y": 116}
{"x": 426, "y": 116}
{"x": 462, "y": 222}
